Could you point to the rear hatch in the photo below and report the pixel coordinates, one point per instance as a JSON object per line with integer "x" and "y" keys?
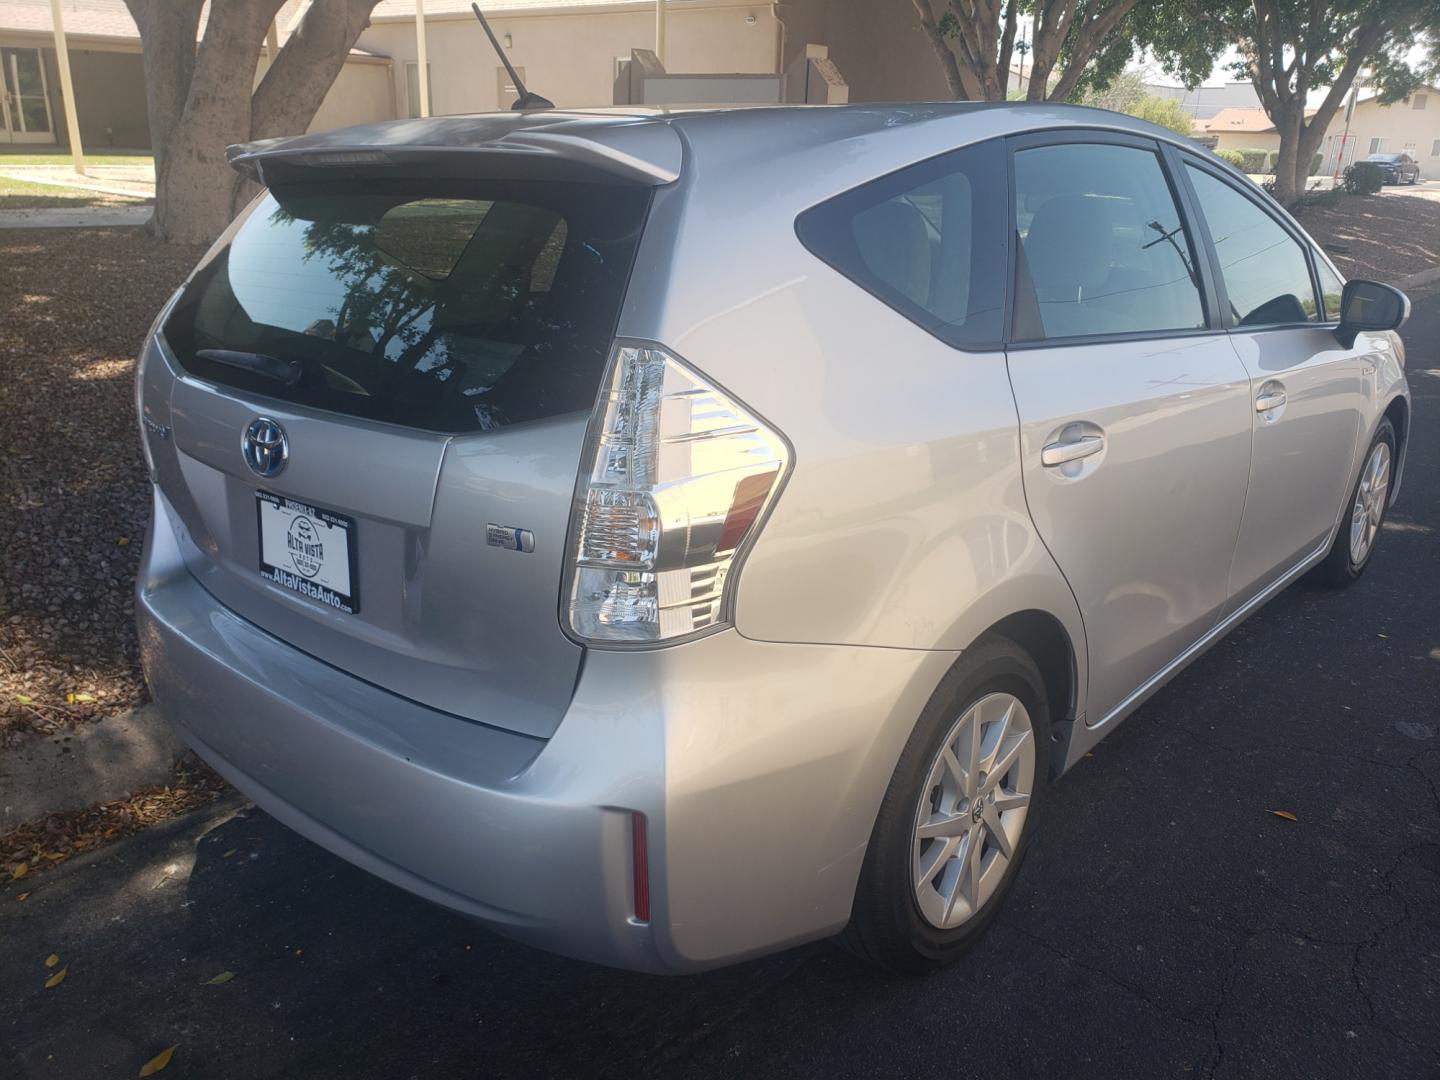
{"x": 378, "y": 392}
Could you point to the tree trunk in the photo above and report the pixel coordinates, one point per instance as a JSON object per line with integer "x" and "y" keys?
{"x": 202, "y": 99}
{"x": 1290, "y": 123}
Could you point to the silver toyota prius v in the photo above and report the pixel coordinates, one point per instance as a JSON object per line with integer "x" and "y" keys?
{"x": 669, "y": 537}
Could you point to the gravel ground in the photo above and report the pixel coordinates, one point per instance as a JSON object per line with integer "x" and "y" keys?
{"x": 77, "y": 303}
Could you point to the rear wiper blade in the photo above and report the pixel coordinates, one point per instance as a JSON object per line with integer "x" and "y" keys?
{"x": 272, "y": 367}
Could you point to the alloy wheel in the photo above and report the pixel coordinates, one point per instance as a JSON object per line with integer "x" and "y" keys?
{"x": 972, "y": 810}
{"x": 1369, "y": 509}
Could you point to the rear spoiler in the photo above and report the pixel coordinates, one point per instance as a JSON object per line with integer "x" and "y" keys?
{"x": 599, "y": 148}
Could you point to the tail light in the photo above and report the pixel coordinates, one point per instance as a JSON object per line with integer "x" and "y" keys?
{"x": 675, "y": 479}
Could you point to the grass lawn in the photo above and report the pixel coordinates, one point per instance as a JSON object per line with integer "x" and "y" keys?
{"x": 22, "y": 195}
{"x": 63, "y": 159}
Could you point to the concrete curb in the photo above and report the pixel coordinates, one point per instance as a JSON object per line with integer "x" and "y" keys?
{"x": 93, "y": 764}
{"x": 1424, "y": 277}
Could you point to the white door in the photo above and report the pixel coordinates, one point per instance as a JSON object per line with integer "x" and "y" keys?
{"x": 26, "y": 98}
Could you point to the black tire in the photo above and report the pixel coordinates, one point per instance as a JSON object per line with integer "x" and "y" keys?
{"x": 1339, "y": 568}
{"x": 886, "y": 928}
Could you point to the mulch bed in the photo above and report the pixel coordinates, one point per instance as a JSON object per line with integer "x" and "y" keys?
{"x": 38, "y": 845}
{"x": 1385, "y": 237}
{"x": 73, "y": 491}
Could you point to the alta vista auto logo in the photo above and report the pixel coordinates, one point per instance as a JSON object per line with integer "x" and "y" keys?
{"x": 302, "y": 541}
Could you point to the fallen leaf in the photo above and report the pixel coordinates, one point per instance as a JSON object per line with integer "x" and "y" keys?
{"x": 80, "y": 697}
{"x": 219, "y": 980}
{"x": 19, "y": 871}
{"x": 56, "y": 979}
{"x": 123, "y": 540}
{"x": 158, "y": 1062}
{"x": 69, "y": 697}
{"x": 22, "y": 896}
{"x": 1286, "y": 814}
{"x": 24, "y": 699}
{"x": 229, "y": 853}
{"x": 56, "y": 856}
{"x": 52, "y": 960}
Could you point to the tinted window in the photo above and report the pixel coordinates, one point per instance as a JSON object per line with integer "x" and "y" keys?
{"x": 1103, "y": 242}
{"x": 1331, "y": 286}
{"x": 451, "y": 306}
{"x": 1266, "y": 275}
{"x": 928, "y": 240}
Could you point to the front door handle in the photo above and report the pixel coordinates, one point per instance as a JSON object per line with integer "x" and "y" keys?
{"x": 1073, "y": 449}
{"x": 1270, "y": 397}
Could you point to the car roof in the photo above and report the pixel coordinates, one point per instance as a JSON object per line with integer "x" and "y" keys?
{"x": 650, "y": 144}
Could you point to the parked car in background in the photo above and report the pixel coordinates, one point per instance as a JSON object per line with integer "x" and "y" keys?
{"x": 1398, "y": 168}
{"x": 667, "y": 538}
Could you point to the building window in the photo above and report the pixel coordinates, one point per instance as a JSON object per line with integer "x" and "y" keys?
{"x": 412, "y": 89}
{"x": 1435, "y": 148}
{"x": 1418, "y": 101}
{"x": 1375, "y": 145}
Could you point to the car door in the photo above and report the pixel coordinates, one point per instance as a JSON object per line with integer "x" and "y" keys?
{"x": 1307, "y": 389}
{"x": 1134, "y": 409}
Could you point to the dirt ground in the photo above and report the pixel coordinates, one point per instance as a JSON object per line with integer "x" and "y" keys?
{"x": 73, "y": 508}
{"x": 1384, "y": 237}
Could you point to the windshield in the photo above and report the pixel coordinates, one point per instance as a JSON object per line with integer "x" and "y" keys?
{"x": 445, "y": 305}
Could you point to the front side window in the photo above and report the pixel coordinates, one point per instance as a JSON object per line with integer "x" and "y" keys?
{"x": 929, "y": 241}
{"x": 1331, "y": 286}
{"x": 1103, "y": 242}
{"x": 1263, "y": 267}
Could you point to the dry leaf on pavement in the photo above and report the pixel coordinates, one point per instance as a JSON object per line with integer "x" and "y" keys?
{"x": 1286, "y": 814}
{"x": 221, "y": 979}
{"x": 158, "y": 1062}
{"x": 56, "y": 979}
{"x": 51, "y": 960}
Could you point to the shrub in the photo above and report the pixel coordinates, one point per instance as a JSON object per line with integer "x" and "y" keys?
{"x": 1364, "y": 178}
{"x": 1254, "y": 161}
{"x": 1315, "y": 164}
{"x": 1234, "y": 157}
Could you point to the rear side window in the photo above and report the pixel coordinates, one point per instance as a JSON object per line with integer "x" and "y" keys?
{"x": 1103, "y": 242}
{"x": 448, "y": 306}
{"x": 928, "y": 240}
{"x": 1263, "y": 267}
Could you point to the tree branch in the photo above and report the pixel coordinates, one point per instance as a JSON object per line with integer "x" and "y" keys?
{"x": 297, "y": 81}
{"x": 953, "y": 78}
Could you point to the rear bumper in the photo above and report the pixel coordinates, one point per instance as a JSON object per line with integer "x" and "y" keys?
{"x": 759, "y": 768}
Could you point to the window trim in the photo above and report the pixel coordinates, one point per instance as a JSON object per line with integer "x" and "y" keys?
{"x": 1025, "y": 291}
{"x": 1227, "y": 319}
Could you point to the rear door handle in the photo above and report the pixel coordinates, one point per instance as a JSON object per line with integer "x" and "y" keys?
{"x": 1058, "y": 453}
{"x": 1271, "y": 397}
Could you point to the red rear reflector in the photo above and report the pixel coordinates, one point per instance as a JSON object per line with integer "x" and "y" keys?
{"x": 750, "y": 494}
{"x": 641, "y": 856}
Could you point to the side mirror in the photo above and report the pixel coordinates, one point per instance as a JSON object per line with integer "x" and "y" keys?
{"x": 1369, "y": 305}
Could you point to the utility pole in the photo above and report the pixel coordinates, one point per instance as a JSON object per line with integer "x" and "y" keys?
{"x": 660, "y": 31}
{"x": 422, "y": 58}
{"x": 67, "y": 89}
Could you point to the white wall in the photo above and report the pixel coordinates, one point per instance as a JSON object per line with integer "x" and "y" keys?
{"x": 570, "y": 59}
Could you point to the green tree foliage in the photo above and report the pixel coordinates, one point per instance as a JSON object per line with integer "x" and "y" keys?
{"x": 1127, "y": 93}
{"x": 974, "y": 41}
{"x": 1290, "y": 49}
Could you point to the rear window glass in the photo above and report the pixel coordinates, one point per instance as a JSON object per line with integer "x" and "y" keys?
{"x": 928, "y": 240}
{"x": 448, "y": 306}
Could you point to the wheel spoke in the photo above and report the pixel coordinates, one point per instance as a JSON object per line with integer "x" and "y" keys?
{"x": 957, "y": 771}
{"x": 1002, "y": 766}
{"x": 1004, "y": 724}
{"x": 968, "y": 843}
{"x": 1005, "y": 800}
{"x": 998, "y": 838}
{"x": 943, "y": 825}
{"x": 935, "y": 858}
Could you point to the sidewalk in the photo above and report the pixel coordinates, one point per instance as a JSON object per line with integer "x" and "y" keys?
{"x": 79, "y": 217}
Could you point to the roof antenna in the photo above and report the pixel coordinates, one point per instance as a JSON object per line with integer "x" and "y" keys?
{"x": 526, "y": 100}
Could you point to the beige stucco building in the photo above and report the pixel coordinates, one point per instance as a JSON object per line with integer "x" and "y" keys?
{"x": 1411, "y": 126}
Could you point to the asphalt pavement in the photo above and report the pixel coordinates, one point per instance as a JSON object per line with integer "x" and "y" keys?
{"x": 1167, "y": 923}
